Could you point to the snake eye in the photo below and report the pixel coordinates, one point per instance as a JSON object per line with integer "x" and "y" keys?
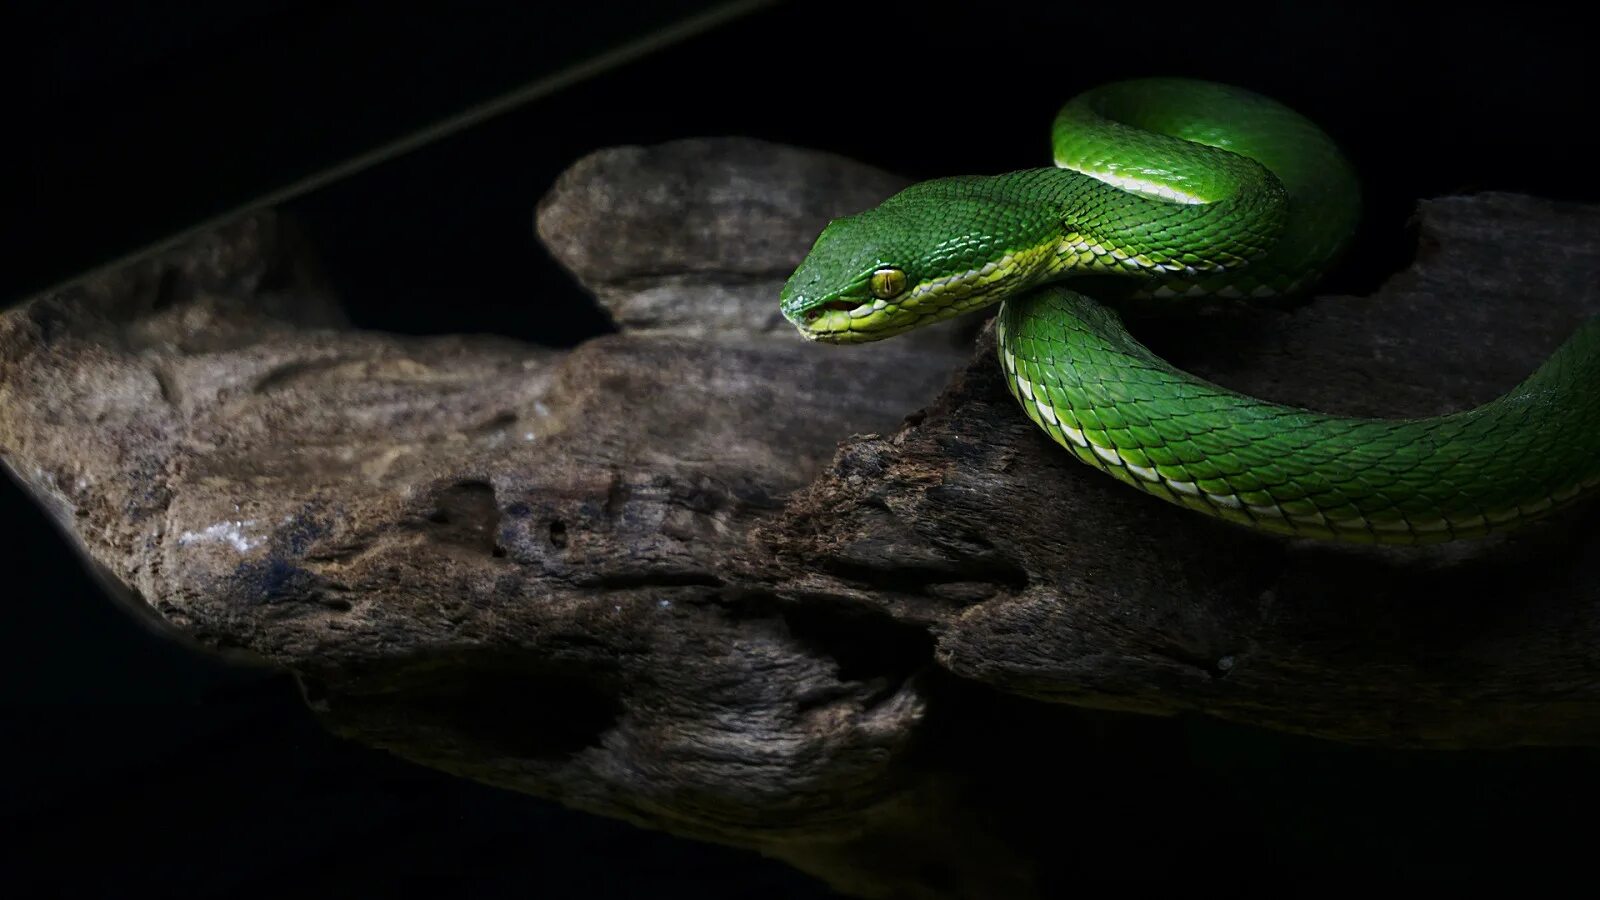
{"x": 886, "y": 284}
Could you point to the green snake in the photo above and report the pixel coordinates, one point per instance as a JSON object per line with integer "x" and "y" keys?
{"x": 1182, "y": 188}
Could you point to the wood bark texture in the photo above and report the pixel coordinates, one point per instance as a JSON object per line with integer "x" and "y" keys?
{"x": 844, "y": 606}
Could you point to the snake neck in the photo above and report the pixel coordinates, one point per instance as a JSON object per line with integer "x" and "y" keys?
{"x": 1073, "y": 224}
{"x": 959, "y": 244}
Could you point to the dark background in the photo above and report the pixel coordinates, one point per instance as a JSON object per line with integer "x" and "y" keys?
{"x": 153, "y": 769}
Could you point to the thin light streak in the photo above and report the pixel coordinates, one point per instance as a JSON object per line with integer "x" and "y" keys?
{"x": 589, "y": 68}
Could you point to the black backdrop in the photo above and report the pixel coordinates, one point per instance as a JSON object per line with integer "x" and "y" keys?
{"x": 150, "y": 768}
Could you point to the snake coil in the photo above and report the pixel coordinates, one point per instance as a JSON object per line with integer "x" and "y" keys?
{"x": 1179, "y": 188}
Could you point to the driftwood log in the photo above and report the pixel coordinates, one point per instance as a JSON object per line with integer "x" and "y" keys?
{"x": 835, "y": 604}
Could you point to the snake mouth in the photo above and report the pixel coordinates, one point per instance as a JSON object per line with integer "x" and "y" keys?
{"x": 816, "y": 312}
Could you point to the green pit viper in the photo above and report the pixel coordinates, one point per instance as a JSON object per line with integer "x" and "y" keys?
{"x": 1183, "y": 188}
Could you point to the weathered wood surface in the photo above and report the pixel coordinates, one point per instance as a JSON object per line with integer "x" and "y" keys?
{"x": 708, "y": 577}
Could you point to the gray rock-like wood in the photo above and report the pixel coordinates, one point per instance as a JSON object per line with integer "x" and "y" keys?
{"x": 708, "y": 577}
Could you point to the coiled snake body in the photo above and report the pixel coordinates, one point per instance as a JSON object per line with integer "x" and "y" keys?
{"x": 1178, "y": 188}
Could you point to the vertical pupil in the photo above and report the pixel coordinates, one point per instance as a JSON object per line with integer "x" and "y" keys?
{"x": 885, "y": 282}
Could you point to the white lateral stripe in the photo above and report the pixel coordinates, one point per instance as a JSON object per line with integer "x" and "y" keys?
{"x": 1144, "y": 187}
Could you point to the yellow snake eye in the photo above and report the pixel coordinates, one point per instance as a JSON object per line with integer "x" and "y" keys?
{"x": 887, "y": 284}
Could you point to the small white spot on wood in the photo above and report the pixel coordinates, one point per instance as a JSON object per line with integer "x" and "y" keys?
{"x": 231, "y": 533}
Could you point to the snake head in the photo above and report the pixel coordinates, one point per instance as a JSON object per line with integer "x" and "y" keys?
{"x": 844, "y": 288}
{"x": 933, "y": 251}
